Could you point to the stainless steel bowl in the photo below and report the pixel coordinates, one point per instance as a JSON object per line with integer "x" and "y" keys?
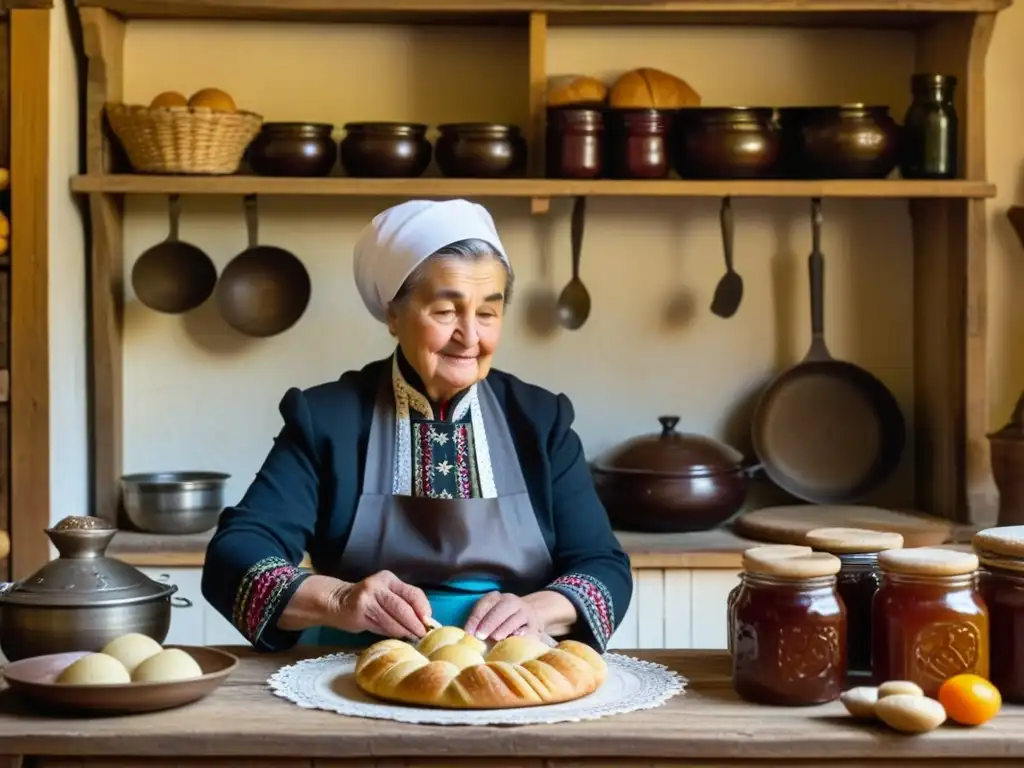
{"x": 174, "y": 502}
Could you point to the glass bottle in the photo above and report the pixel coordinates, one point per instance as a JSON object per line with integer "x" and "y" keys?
{"x": 930, "y": 129}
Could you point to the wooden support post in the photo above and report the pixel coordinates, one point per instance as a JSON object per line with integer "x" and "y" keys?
{"x": 538, "y": 104}
{"x": 104, "y": 49}
{"x": 953, "y": 474}
{"x": 29, "y": 287}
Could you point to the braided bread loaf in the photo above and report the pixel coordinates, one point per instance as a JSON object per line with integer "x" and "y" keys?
{"x": 451, "y": 669}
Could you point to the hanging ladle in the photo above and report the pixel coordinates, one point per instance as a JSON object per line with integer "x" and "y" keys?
{"x": 173, "y": 276}
{"x": 264, "y": 290}
{"x": 574, "y": 301}
{"x": 729, "y": 292}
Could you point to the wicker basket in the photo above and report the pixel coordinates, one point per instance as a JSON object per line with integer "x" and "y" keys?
{"x": 183, "y": 139}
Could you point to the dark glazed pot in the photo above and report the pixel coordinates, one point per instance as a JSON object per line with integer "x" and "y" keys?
{"x": 385, "y": 150}
{"x": 638, "y": 143}
{"x": 726, "y": 143}
{"x": 575, "y": 143}
{"x": 671, "y": 482}
{"x": 293, "y": 149}
{"x": 852, "y": 141}
{"x": 480, "y": 150}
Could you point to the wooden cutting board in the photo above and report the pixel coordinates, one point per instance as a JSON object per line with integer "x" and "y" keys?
{"x": 788, "y": 525}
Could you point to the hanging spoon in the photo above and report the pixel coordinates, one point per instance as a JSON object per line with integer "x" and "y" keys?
{"x": 173, "y": 276}
{"x": 729, "y": 292}
{"x": 574, "y": 301}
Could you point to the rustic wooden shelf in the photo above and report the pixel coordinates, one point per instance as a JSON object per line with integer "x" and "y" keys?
{"x": 717, "y": 548}
{"x": 952, "y": 470}
{"x": 532, "y": 188}
{"x": 874, "y": 13}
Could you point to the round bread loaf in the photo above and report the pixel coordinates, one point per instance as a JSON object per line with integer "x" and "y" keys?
{"x": 566, "y": 91}
{"x": 649, "y": 88}
{"x": 450, "y": 669}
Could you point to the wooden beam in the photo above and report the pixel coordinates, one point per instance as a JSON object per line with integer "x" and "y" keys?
{"x": 953, "y": 474}
{"x": 439, "y": 187}
{"x": 103, "y": 34}
{"x": 29, "y": 350}
{"x": 353, "y": 9}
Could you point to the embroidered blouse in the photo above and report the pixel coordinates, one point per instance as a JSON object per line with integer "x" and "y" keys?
{"x": 303, "y": 499}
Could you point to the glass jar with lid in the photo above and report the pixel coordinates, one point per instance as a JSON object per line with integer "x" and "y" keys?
{"x": 858, "y": 580}
{"x": 1001, "y": 581}
{"x": 929, "y": 621}
{"x": 788, "y": 628}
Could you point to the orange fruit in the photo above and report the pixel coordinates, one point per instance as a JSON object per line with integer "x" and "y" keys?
{"x": 214, "y": 99}
{"x": 169, "y": 99}
{"x": 970, "y": 699}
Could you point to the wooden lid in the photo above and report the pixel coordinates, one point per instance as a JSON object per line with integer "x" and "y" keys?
{"x": 790, "y": 562}
{"x": 1006, "y": 540}
{"x": 928, "y": 561}
{"x": 852, "y": 540}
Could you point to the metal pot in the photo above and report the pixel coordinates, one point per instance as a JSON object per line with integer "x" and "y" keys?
{"x": 83, "y": 599}
{"x": 851, "y": 141}
{"x": 726, "y": 143}
{"x": 671, "y": 482}
{"x": 174, "y": 502}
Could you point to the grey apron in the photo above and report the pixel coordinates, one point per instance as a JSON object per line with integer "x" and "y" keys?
{"x": 456, "y": 550}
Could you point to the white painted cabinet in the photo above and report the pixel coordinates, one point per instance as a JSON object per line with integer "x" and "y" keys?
{"x": 670, "y": 609}
{"x": 677, "y": 609}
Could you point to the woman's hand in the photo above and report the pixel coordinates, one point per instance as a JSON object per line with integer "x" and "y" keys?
{"x": 498, "y": 615}
{"x": 383, "y": 604}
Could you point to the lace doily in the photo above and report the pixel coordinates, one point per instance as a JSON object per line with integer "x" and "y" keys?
{"x": 328, "y": 683}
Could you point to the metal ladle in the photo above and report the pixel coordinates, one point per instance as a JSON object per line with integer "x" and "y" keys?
{"x": 173, "y": 276}
{"x": 574, "y": 301}
{"x": 264, "y": 290}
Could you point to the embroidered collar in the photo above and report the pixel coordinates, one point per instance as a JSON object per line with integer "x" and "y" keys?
{"x": 409, "y": 398}
{"x": 408, "y": 387}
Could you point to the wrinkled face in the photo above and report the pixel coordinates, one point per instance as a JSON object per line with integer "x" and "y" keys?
{"x": 449, "y": 325}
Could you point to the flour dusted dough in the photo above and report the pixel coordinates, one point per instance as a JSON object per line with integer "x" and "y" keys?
{"x": 132, "y": 649}
{"x": 451, "y": 669}
{"x": 167, "y": 666}
{"x": 95, "y": 669}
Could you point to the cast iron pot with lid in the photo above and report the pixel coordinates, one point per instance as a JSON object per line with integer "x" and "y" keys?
{"x": 671, "y": 482}
{"x": 83, "y": 599}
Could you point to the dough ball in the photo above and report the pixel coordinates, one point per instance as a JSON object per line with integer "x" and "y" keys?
{"x": 860, "y": 702}
{"x": 894, "y": 687}
{"x": 95, "y": 669}
{"x": 132, "y": 649}
{"x": 910, "y": 713}
{"x": 166, "y": 667}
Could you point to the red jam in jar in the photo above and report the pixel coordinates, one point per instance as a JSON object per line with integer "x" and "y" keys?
{"x": 929, "y": 620}
{"x": 1001, "y": 581}
{"x": 857, "y": 582}
{"x": 788, "y": 628}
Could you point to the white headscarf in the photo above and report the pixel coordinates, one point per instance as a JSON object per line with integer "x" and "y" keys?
{"x": 399, "y": 239}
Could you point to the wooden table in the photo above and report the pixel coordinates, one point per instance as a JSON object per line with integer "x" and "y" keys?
{"x": 242, "y": 724}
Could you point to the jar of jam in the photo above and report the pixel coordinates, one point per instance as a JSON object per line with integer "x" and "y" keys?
{"x": 929, "y": 621}
{"x": 778, "y": 550}
{"x": 788, "y": 628}
{"x": 1001, "y": 581}
{"x": 575, "y": 143}
{"x": 858, "y": 580}
{"x": 638, "y": 143}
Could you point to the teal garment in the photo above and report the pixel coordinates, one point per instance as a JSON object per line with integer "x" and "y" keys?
{"x": 450, "y": 605}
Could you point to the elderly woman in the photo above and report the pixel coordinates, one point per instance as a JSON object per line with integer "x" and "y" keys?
{"x": 427, "y": 485}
